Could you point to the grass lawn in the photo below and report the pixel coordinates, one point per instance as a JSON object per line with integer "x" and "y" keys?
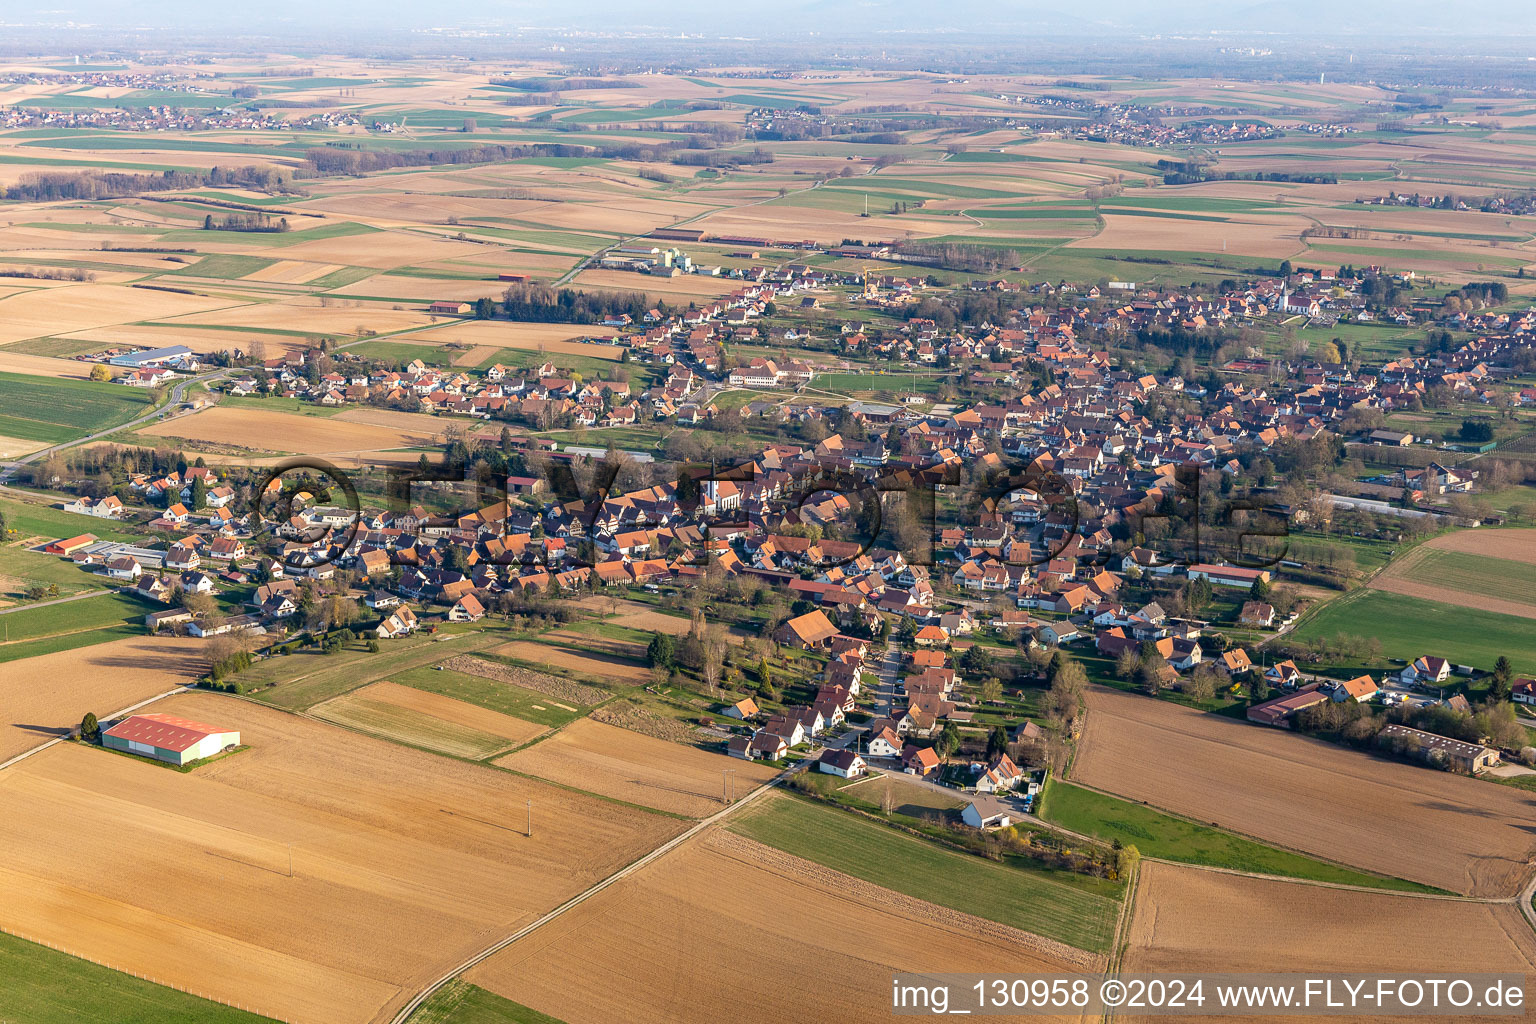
{"x": 506, "y": 698}
{"x": 459, "y": 1002}
{"x": 1157, "y": 834}
{"x": 1409, "y": 627}
{"x": 1023, "y": 898}
{"x": 39, "y": 985}
{"x": 29, "y": 520}
{"x": 20, "y": 569}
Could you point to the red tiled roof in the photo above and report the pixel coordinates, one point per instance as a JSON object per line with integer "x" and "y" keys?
{"x": 164, "y": 731}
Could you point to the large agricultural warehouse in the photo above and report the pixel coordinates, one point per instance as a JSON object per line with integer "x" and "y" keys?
{"x": 168, "y": 738}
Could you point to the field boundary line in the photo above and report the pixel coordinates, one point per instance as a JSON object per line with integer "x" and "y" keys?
{"x": 115, "y": 714}
{"x": 410, "y": 1008}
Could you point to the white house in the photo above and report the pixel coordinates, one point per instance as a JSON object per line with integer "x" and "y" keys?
{"x": 844, "y": 763}
{"x": 985, "y": 812}
{"x": 1428, "y": 671}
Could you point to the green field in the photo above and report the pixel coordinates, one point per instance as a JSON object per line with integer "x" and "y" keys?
{"x": 39, "y": 985}
{"x": 459, "y": 1002}
{"x": 1409, "y": 627}
{"x": 529, "y": 705}
{"x": 307, "y": 677}
{"x": 72, "y": 624}
{"x": 1161, "y": 835}
{"x": 30, "y": 520}
{"x": 1023, "y": 898}
{"x": 54, "y": 410}
{"x": 1498, "y": 578}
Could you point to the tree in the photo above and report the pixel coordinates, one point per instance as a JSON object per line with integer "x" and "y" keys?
{"x": 1260, "y": 590}
{"x": 199, "y": 493}
{"x": 992, "y": 691}
{"x": 1258, "y": 687}
{"x": 997, "y": 741}
{"x": 1201, "y": 685}
{"x": 90, "y": 729}
{"x": 1126, "y": 859}
{"x": 1499, "y": 689}
{"x": 99, "y": 372}
{"x": 661, "y": 652}
{"x": 1125, "y": 664}
{"x": 948, "y": 741}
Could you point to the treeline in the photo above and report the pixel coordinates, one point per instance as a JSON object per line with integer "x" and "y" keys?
{"x": 980, "y": 259}
{"x": 258, "y": 223}
{"x": 49, "y": 186}
{"x": 533, "y": 302}
{"x": 693, "y": 151}
{"x": 1181, "y": 172}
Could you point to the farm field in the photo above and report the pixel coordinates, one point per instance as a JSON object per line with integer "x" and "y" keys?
{"x": 47, "y": 695}
{"x": 418, "y": 718}
{"x": 50, "y": 410}
{"x": 505, "y": 698}
{"x": 640, "y": 769}
{"x": 382, "y": 838}
{"x": 582, "y": 663}
{"x": 1409, "y": 627}
{"x": 708, "y": 899}
{"x": 1057, "y": 905}
{"x": 1161, "y": 835}
{"x": 44, "y": 986}
{"x": 1398, "y": 819}
{"x": 1486, "y": 570}
{"x": 261, "y": 430}
{"x": 1266, "y": 925}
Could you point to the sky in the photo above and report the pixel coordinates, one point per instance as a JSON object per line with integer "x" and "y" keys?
{"x": 1012, "y": 19}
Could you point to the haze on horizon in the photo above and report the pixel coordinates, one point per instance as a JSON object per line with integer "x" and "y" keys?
{"x": 871, "y": 20}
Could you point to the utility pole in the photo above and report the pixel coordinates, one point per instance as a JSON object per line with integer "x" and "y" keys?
{"x": 728, "y": 785}
{"x": 290, "y": 860}
{"x": 530, "y": 819}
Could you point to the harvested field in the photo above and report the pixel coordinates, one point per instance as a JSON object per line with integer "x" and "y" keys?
{"x": 308, "y": 316}
{"x": 386, "y": 842}
{"x": 10, "y": 447}
{"x": 629, "y": 716}
{"x": 201, "y": 339}
{"x": 475, "y": 356}
{"x": 708, "y": 899}
{"x": 561, "y": 339}
{"x": 1341, "y": 804}
{"x": 640, "y": 769}
{"x": 595, "y": 666}
{"x": 599, "y": 644}
{"x": 1514, "y": 545}
{"x": 539, "y": 682}
{"x": 51, "y": 311}
{"x": 417, "y": 424}
{"x": 292, "y": 272}
{"x": 1266, "y": 925}
{"x": 421, "y": 719}
{"x": 284, "y": 432}
{"x": 47, "y": 695}
{"x": 43, "y": 366}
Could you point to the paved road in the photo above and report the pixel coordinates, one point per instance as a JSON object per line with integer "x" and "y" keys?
{"x": 57, "y": 600}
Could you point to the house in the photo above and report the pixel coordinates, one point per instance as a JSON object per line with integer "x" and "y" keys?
{"x": 931, "y": 636}
{"x": 1426, "y": 671}
{"x": 985, "y": 812}
{"x": 169, "y": 617}
{"x": 743, "y": 709}
{"x": 811, "y": 631}
{"x": 767, "y": 745}
{"x": 1001, "y": 776}
{"x": 1228, "y": 575}
{"x": 1283, "y": 674}
{"x": 397, "y": 623}
{"x": 1523, "y": 691}
{"x": 124, "y": 567}
{"x": 103, "y": 508}
{"x": 1234, "y": 662}
{"x": 920, "y": 760}
{"x": 1257, "y": 613}
{"x": 882, "y": 740}
{"x": 843, "y": 763}
{"x": 1360, "y": 688}
{"x": 467, "y": 609}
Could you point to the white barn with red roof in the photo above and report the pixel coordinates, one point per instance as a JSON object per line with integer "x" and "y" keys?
{"x": 168, "y": 738}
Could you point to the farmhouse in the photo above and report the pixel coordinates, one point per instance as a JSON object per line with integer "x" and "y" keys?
{"x": 70, "y": 545}
{"x": 810, "y": 631}
{"x": 168, "y": 738}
